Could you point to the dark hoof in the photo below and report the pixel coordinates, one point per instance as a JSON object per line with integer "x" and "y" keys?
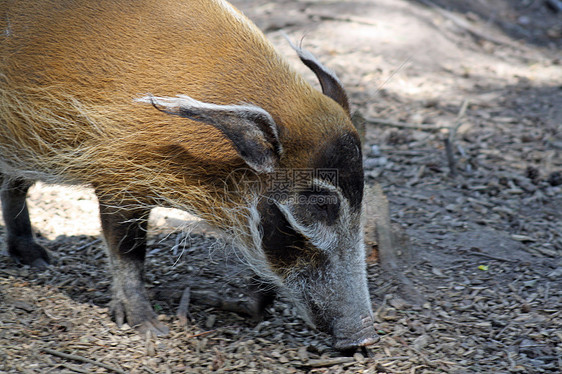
{"x": 155, "y": 327}
{"x": 40, "y": 264}
{"x": 140, "y": 321}
{"x": 27, "y": 252}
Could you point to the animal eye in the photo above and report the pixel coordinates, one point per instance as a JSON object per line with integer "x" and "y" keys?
{"x": 317, "y": 206}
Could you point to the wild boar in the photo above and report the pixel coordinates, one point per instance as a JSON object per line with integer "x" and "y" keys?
{"x": 185, "y": 104}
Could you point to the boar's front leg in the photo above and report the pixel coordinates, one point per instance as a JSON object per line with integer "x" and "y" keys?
{"x": 125, "y": 236}
{"x": 20, "y": 241}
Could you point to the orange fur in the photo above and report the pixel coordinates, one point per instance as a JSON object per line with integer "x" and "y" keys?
{"x": 69, "y": 74}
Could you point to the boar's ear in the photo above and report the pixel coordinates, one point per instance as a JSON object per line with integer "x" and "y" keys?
{"x": 331, "y": 85}
{"x": 251, "y": 129}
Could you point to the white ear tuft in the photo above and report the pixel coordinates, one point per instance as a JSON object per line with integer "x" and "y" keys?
{"x": 331, "y": 85}
{"x": 252, "y": 130}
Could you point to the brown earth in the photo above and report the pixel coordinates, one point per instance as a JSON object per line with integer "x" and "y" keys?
{"x": 482, "y": 247}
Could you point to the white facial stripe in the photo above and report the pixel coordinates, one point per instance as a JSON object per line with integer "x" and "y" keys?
{"x": 326, "y": 185}
{"x": 320, "y": 235}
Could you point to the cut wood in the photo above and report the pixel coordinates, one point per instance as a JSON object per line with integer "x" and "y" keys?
{"x": 387, "y": 250}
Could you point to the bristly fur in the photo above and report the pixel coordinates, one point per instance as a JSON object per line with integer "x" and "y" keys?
{"x": 77, "y": 123}
{"x": 93, "y": 139}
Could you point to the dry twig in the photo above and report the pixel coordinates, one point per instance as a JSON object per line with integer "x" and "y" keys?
{"x": 403, "y": 125}
{"x": 89, "y": 244}
{"x": 344, "y": 18}
{"x": 183, "y": 308}
{"x": 82, "y": 359}
{"x": 485, "y": 255}
{"x": 322, "y": 362}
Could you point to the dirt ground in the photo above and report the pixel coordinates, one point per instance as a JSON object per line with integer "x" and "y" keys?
{"x": 482, "y": 245}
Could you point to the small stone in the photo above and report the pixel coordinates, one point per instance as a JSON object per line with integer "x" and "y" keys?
{"x": 421, "y": 341}
{"x": 372, "y": 163}
{"x": 125, "y": 327}
{"x": 555, "y": 178}
{"x": 210, "y": 322}
{"x": 389, "y": 315}
{"x": 374, "y": 151}
{"x": 437, "y": 272}
{"x": 398, "y": 303}
{"x": 555, "y": 274}
{"x": 532, "y": 173}
{"x": 522, "y": 238}
{"x": 359, "y": 357}
{"x": 303, "y": 354}
{"x": 150, "y": 349}
{"x": 523, "y": 20}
